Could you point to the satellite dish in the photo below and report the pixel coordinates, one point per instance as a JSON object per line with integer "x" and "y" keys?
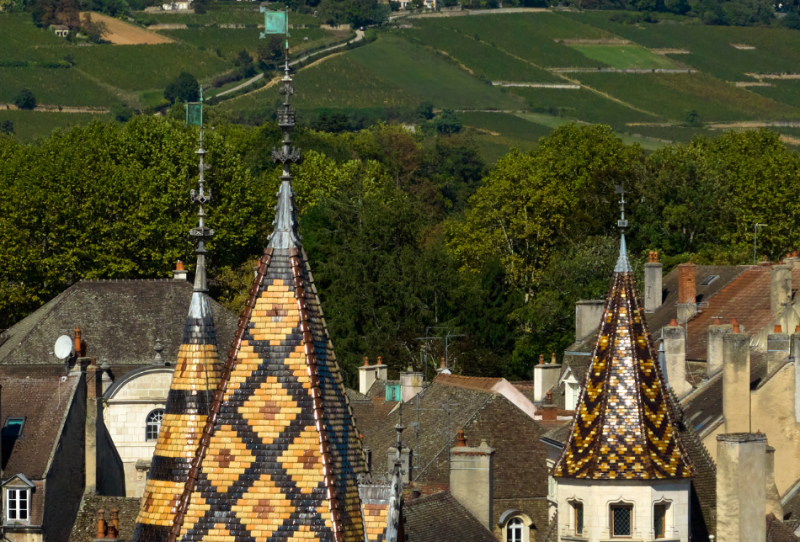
{"x": 63, "y": 347}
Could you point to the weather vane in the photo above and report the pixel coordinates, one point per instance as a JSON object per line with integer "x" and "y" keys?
{"x": 620, "y": 189}
{"x": 201, "y": 198}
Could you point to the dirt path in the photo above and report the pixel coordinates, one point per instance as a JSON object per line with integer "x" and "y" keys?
{"x": 43, "y": 108}
{"x": 120, "y": 33}
{"x": 359, "y": 37}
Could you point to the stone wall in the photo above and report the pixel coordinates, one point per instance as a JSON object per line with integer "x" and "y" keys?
{"x": 125, "y": 417}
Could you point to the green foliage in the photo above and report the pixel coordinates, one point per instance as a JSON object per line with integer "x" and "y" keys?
{"x": 32, "y": 125}
{"x": 110, "y": 200}
{"x": 692, "y": 118}
{"x": 7, "y": 127}
{"x": 625, "y": 56}
{"x": 447, "y": 122}
{"x": 57, "y": 87}
{"x": 425, "y": 111}
{"x": 25, "y": 99}
{"x": 185, "y": 89}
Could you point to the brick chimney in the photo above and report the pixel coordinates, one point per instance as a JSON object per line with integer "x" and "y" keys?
{"x": 675, "y": 358}
{"x": 714, "y": 346}
{"x": 687, "y": 291}
{"x": 653, "y": 288}
{"x": 741, "y": 487}
{"x": 471, "y": 479}
{"x": 179, "y": 273}
{"x": 736, "y": 381}
{"x": 780, "y": 287}
{"x": 778, "y": 347}
{"x": 549, "y": 410}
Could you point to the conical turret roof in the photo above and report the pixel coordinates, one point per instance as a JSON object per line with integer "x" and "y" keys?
{"x": 624, "y": 427}
{"x": 194, "y": 382}
{"x": 279, "y": 456}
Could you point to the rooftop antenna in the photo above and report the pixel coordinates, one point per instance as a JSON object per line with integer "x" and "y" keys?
{"x": 63, "y": 348}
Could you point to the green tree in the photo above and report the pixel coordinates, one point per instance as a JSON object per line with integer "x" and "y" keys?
{"x": 185, "y": 89}
{"x": 25, "y": 99}
{"x": 425, "y": 110}
{"x": 447, "y": 122}
{"x": 111, "y": 200}
{"x": 7, "y": 127}
{"x": 692, "y": 118}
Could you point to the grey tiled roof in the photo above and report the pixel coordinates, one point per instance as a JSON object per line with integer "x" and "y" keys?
{"x": 778, "y": 531}
{"x": 85, "y": 528}
{"x": 119, "y": 320}
{"x": 441, "y": 518}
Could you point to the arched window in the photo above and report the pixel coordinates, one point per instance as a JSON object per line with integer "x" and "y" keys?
{"x": 514, "y": 530}
{"x": 154, "y": 424}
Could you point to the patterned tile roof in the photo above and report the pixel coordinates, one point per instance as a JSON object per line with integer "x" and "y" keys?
{"x": 624, "y": 427}
{"x": 194, "y": 382}
{"x": 279, "y": 454}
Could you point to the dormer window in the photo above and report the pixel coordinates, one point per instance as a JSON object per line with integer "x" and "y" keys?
{"x": 18, "y": 505}
{"x": 514, "y": 530}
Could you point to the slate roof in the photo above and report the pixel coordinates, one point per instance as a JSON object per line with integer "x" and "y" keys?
{"x": 791, "y": 506}
{"x": 85, "y": 528}
{"x": 777, "y": 531}
{"x": 520, "y": 460}
{"x": 625, "y": 427}
{"x": 441, "y": 518}
{"x": 44, "y": 401}
{"x": 111, "y": 313}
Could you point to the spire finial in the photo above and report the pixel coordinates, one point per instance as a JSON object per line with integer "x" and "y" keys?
{"x": 623, "y": 265}
{"x": 200, "y": 197}
{"x": 284, "y": 233}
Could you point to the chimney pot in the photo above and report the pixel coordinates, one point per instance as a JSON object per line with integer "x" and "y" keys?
{"x": 717, "y": 321}
{"x": 673, "y": 322}
{"x": 735, "y": 325}
{"x": 101, "y": 524}
{"x": 179, "y": 266}
{"x": 462, "y": 439}
{"x": 553, "y": 358}
{"x": 380, "y": 360}
{"x": 541, "y": 359}
{"x": 797, "y": 329}
{"x": 443, "y": 364}
{"x": 366, "y": 361}
{"x": 548, "y": 397}
{"x": 778, "y": 329}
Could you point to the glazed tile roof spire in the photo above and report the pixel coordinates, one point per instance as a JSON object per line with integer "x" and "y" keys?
{"x": 195, "y": 378}
{"x": 279, "y": 456}
{"x": 624, "y": 427}
{"x": 394, "y": 512}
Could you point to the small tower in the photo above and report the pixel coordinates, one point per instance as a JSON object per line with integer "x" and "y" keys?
{"x": 624, "y": 471}
{"x": 193, "y": 384}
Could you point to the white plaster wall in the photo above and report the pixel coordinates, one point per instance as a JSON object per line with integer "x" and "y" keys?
{"x": 597, "y": 496}
{"x": 125, "y": 417}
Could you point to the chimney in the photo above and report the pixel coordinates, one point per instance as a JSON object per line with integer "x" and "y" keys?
{"x": 714, "y": 346}
{"x": 675, "y": 358}
{"x": 410, "y": 383}
{"x": 588, "y": 314}
{"x": 741, "y": 487}
{"x": 687, "y": 292}
{"x": 382, "y": 370}
{"x": 780, "y": 287}
{"x": 101, "y": 524}
{"x": 368, "y": 374}
{"x": 179, "y": 273}
{"x": 443, "y": 370}
{"x": 653, "y": 288}
{"x": 736, "y": 381}
{"x": 545, "y": 376}
{"x": 549, "y": 410}
{"x": 778, "y": 347}
{"x": 471, "y": 479}
{"x": 774, "y": 505}
{"x": 94, "y": 395}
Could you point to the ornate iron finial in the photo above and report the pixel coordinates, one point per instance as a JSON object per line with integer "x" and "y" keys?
{"x": 623, "y": 265}
{"x": 201, "y": 232}
{"x": 284, "y": 234}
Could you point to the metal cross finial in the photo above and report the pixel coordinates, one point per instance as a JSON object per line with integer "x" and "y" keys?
{"x": 201, "y": 232}
{"x": 619, "y": 189}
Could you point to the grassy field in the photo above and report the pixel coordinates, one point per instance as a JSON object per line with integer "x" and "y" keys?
{"x": 335, "y": 83}
{"x": 582, "y": 105}
{"x": 531, "y": 36}
{"x": 29, "y": 125}
{"x": 679, "y": 134}
{"x": 625, "y": 56}
{"x": 776, "y": 49}
{"x": 672, "y": 95}
{"x": 429, "y": 77}
{"x": 479, "y": 57}
{"x": 22, "y": 40}
{"x": 64, "y": 86}
{"x": 505, "y": 125}
{"x": 230, "y": 41}
{"x": 786, "y": 91}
